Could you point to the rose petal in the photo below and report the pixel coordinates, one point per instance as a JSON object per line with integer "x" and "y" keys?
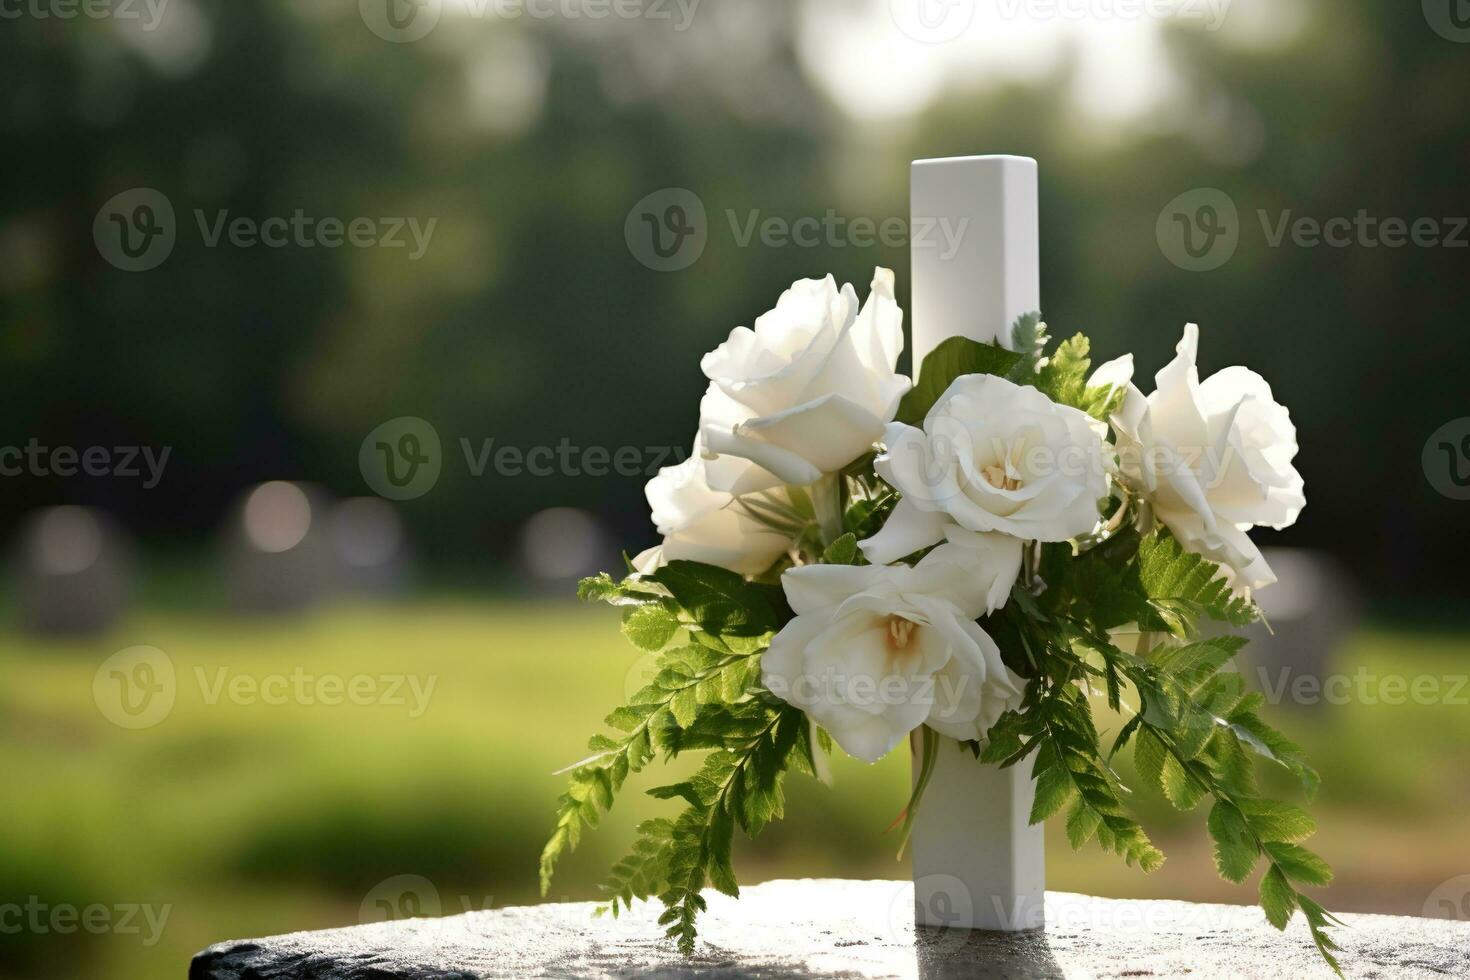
{"x": 907, "y": 529}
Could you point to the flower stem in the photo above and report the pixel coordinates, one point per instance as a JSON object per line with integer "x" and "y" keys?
{"x": 827, "y": 503}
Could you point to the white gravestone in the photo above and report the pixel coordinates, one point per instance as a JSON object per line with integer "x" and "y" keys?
{"x": 976, "y": 862}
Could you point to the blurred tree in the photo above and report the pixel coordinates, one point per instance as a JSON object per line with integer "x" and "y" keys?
{"x": 529, "y": 321}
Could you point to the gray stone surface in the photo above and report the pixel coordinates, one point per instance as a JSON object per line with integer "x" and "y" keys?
{"x": 846, "y": 929}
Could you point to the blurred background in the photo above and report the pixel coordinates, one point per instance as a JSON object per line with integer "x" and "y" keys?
{"x": 340, "y": 338}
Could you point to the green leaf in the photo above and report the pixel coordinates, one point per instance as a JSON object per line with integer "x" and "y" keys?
{"x": 952, "y": 358}
{"x": 843, "y": 551}
{"x": 1193, "y": 729}
{"x": 602, "y": 588}
{"x": 1179, "y": 582}
{"x": 642, "y": 872}
{"x": 1319, "y": 920}
{"x": 1267, "y": 742}
{"x": 1275, "y": 821}
{"x": 1063, "y": 377}
{"x": 1082, "y": 823}
{"x": 1192, "y": 664}
{"x": 719, "y": 601}
{"x": 1235, "y": 851}
{"x": 864, "y": 518}
{"x": 684, "y": 790}
{"x": 717, "y": 847}
{"x": 1054, "y": 788}
{"x": 737, "y": 676}
{"x": 685, "y": 706}
{"x": 1278, "y": 898}
{"x": 1028, "y": 335}
{"x": 597, "y": 588}
{"x": 1100, "y": 585}
{"x": 1148, "y": 757}
{"x": 1004, "y": 738}
{"x": 1180, "y": 787}
{"x": 628, "y": 717}
{"x": 649, "y": 626}
{"x": 1231, "y": 763}
{"x": 1299, "y": 864}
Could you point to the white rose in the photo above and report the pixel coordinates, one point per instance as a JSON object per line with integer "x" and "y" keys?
{"x": 705, "y": 525}
{"x": 1213, "y": 458}
{"x": 808, "y": 390}
{"x": 992, "y": 456}
{"x": 878, "y": 650}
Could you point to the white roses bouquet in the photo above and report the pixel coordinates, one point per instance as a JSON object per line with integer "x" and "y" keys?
{"x": 976, "y": 558}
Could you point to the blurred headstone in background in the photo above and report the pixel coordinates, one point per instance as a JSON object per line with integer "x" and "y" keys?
{"x": 73, "y": 571}
{"x": 562, "y": 544}
{"x": 369, "y": 546}
{"x": 277, "y": 555}
{"x": 1311, "y": 609}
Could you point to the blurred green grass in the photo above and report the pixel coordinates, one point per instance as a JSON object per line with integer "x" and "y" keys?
{"x": 252, "y": 819}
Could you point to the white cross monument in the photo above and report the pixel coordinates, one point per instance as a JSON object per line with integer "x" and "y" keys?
{"x": 976, "y": 862}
